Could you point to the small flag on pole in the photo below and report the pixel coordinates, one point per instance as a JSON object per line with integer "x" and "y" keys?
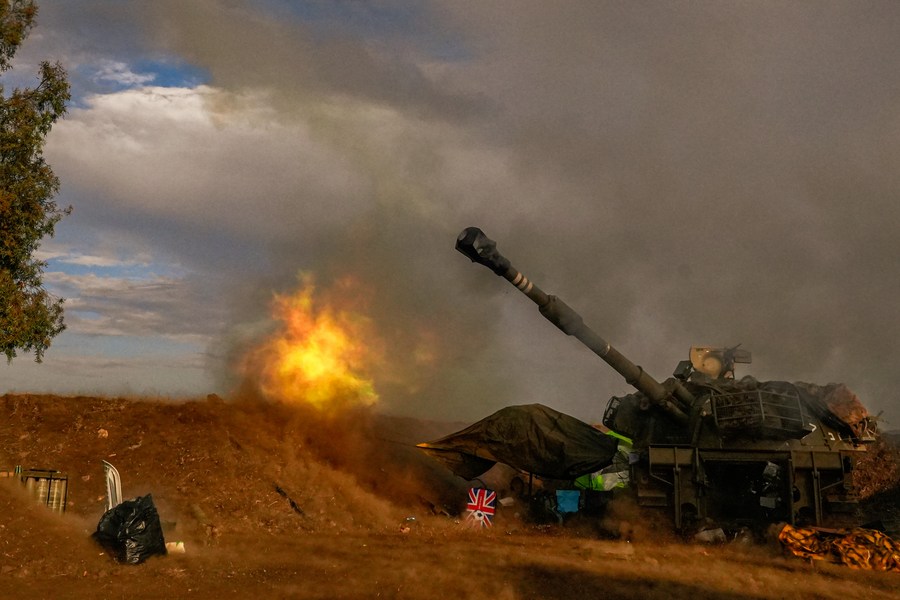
{"x": 480, "y": 509}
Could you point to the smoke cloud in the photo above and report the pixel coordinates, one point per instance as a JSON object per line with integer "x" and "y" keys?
{"x": 678, "y": 173}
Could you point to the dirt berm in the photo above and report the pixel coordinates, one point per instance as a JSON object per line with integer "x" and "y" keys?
{"x": 274, "y": 501}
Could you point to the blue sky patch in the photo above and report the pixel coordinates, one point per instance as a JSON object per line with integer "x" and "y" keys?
{"x": 173, "y": 73}
{"x": 108, "y": 77}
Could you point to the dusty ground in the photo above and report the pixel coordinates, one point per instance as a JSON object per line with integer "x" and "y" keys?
{"x": 336, "y": 528}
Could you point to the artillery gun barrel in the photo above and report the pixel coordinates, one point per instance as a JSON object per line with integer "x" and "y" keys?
{"x": 473, "y": 243}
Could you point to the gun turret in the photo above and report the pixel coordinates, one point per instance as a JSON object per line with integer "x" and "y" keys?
{"x": 672, "y": 397}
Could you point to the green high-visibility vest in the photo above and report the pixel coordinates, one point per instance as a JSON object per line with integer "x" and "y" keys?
{"x": 608, "y": 478}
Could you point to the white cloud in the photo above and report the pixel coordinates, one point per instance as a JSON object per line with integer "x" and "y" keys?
{"x": 112, "y": 251}
{"x": 164, "y": 307}
{"x": 206, "y": 156}
{"x": 86, "y": 260}
{"x": 119, "y": 72}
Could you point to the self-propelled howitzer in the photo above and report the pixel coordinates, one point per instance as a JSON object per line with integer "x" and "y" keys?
{"x": 672, "y": 397}
{"x": 706, "y": 445}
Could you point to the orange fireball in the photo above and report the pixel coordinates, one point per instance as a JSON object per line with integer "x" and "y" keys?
{"x": 320, "y": 354}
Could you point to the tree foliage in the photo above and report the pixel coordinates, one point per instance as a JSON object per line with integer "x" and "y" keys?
{"x": 29, "y": 316}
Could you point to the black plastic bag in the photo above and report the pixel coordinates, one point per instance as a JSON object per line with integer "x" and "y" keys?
{"x": 131, "y": 531}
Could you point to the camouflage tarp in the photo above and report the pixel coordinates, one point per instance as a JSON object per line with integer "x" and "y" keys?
{"x": 531, "y": 438}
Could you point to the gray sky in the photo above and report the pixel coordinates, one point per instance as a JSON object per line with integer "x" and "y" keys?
{"x": 678, "y": 172}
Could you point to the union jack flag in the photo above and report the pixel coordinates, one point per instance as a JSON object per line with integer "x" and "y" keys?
{"x": 480, "y": 509}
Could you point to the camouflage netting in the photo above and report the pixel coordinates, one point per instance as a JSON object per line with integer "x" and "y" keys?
{"x": 835, "y": 404}
{"x": 837, "y": 400}
{"x": 877, "y": 470}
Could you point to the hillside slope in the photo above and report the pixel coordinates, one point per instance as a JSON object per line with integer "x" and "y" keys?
{"x": 278, "y": 501}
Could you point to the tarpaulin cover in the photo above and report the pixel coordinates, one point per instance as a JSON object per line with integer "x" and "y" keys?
{"x": 531, "y": 438}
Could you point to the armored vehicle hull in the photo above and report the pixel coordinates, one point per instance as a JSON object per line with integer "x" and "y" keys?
{"x": 706, "y": 446}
